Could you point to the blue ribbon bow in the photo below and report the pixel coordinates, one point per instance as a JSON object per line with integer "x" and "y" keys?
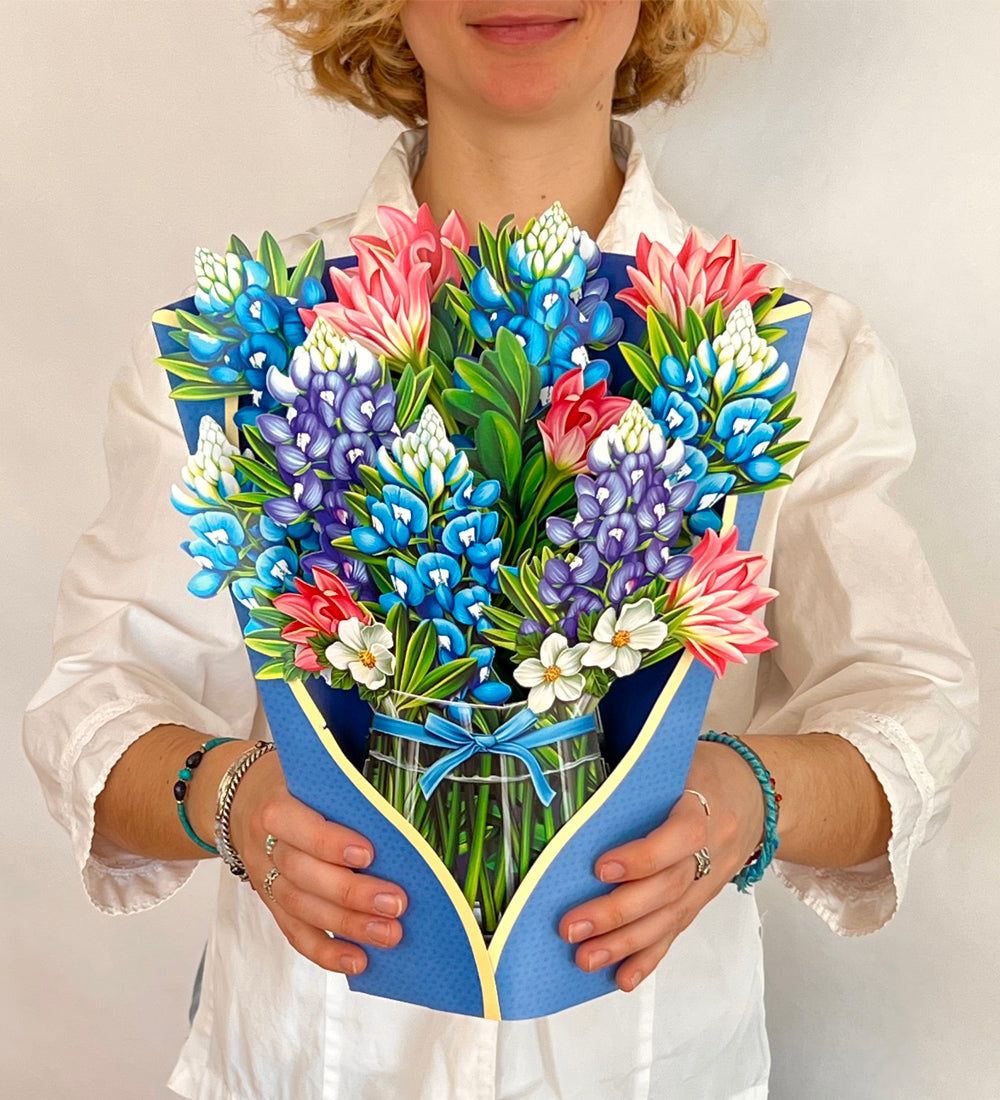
{"x": 513, "y": 738}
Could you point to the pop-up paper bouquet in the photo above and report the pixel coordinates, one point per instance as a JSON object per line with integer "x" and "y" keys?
{"x": 484, "y": 514}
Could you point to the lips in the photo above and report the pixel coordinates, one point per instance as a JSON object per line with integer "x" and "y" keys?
{"x": 521, "y": 27}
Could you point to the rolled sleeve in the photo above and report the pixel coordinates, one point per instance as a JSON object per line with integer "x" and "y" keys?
{"x": 866, "y": 650}
{"x": 133, "y": 648}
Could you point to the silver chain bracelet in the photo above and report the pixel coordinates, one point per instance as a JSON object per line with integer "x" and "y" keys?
{"x": 224, "y": 804}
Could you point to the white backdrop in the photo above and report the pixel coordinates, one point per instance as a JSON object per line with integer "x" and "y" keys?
{"x": 861, "y": 151}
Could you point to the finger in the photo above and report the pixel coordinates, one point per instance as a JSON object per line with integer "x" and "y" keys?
{"x": 678, "y": 838}
{"x": 636, "y": 968}
{"x": 327, "y": 915}
{"x": 291, "y": 820}
{"x": 626, "y": 903}
{"x": 363, "y": 893}
{"x": 615, "y": 946}
{"x": 320, "y": 947}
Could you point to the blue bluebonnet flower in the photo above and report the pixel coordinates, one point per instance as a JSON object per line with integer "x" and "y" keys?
{"x": 701, "y": 510}
{"x": 398, "y": 518}
{"x": 407, "y": 588}
{"x": 216, "y": 548}
{"x": 484, "y": 689}
{"x": 439, "y": 573}
{"x": 471, "y": 605}
{"x": 743, "y": 425}
{"x": 276, "y": 568}
{"x": 553, "y": 308}
{"x": 677, "y": 416}
{"x": 451, "y": 641}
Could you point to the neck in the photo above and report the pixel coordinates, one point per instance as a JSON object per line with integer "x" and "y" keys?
{"x": 485, "y": 171}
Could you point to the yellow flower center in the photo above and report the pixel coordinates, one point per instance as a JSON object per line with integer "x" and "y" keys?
{"x": 621, "y": 638}
{"x": 551, "y": 674}
{"x": 367, "y": 658}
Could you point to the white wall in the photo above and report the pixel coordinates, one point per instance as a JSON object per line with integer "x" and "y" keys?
{"x": 861, "y": 151}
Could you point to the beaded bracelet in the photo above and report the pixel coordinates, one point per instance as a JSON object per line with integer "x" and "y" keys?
{"x": 756, "y": 865}
{"x": 181, "y": 788}
{"x": 224, "y": 804}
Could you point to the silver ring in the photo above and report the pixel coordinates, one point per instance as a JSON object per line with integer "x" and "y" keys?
{"x": 703, "y": 863}
{"x": 689, "y": 790}
{"x": 269, "y": 844}
{"x": 269, "y": 881}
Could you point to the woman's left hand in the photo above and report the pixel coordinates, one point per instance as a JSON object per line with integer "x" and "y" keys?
{"x": 635, "y": 924}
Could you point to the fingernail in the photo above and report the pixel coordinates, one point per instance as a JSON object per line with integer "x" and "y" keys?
{"x": 355, "y": 856}
{"x": 378, "y": 930}
{"x": 633, "y": 980}
{"x": 580, "y": 930}
{"x": 610, "y": 872}
{"x": 388, "y": 905}
{"x": 348, "y": 963}
{"x": 597, "y": 959}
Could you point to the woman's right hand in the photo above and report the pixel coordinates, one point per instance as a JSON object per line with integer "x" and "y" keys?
{"x": 317, "y": 891}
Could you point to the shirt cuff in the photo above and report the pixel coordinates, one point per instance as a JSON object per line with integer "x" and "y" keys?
{"x": 118, "y": 881}
{"x": 855, "y": 901}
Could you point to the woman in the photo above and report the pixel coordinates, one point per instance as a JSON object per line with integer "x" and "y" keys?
{"x": 518, "y": 100}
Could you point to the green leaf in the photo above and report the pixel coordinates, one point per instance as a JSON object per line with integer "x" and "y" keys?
{"x": 696, "y": 331}
{"x": 253, "y": 501}
{"x": 664, "y": 339}
{"x": 270, "y": 616}
{"x": 309, "y": 267}
{"x": 532, "y": 478}
{"x": 183, "y": 366}
{"x": 714, "y": 320}
{"x": 519, "y": 374}
{"x": 270, "y": 647}
{"x": 398, "y": 622}
{"x": 261, "y": 475}
{"x": 484, "y": 378}
{"x": 260, "y": 446}
{"x": 498, "y": 449}
{"x": 371, "y": 481}
{"x": 238, "y": 248}
{"x": 198, "y": 391}
{"x": 642, "y": 365}
{"x": 193, "y": 322}
{"x": 443, "y": 681}
{"x": 417, "y": 659}
{"x": 785, "y": 452}
{"x": 464, "y": 406}
{"x": 780, "y": 408}
{"x": 271, "y": 670}
{"x": 411, "y": 393}
{"x": 771, "y": 335}
{"x": 270, "y": 255}
{"x": 764, "y": 305}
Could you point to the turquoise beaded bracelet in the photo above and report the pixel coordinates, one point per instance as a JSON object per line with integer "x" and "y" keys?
{"x": 180, "y": 788}
{"x": 756, "y": 865}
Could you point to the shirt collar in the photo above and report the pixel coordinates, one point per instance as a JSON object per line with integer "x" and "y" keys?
{"x": 640, "y": 207}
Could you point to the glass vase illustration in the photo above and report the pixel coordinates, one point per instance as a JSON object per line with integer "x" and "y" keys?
{"x": 486, "y": 786}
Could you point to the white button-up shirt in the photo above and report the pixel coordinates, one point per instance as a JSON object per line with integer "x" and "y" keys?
{"x": 866, "y": 651}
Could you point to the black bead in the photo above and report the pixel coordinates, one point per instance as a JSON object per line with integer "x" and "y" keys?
{"x": 180, "y": 790}
{"x": 194, "y": 759}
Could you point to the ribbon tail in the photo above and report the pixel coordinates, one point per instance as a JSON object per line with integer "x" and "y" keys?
{"x": 542, "y": 789}
{"x": 437, "y": 771}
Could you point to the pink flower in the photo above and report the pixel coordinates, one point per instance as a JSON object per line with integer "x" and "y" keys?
{"x": 695, "y": 278}
{"x": 576, "y": 418}
{"x": 421, "y": 241}
{"x": 711, "y": 608}
{"x": 317, "y": 611}
{"x": 385, "y": 302}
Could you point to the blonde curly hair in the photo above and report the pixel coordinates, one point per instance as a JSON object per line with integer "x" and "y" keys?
{"x": 358, "y": 52}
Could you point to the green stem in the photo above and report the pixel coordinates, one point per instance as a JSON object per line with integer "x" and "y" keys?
{"x": 478, "y": 836}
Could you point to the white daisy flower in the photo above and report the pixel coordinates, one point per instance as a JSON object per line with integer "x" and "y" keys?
{"x": 365, "y": 650}
{"x": 619, "y": 641}
{"x": 554, "y": 674}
